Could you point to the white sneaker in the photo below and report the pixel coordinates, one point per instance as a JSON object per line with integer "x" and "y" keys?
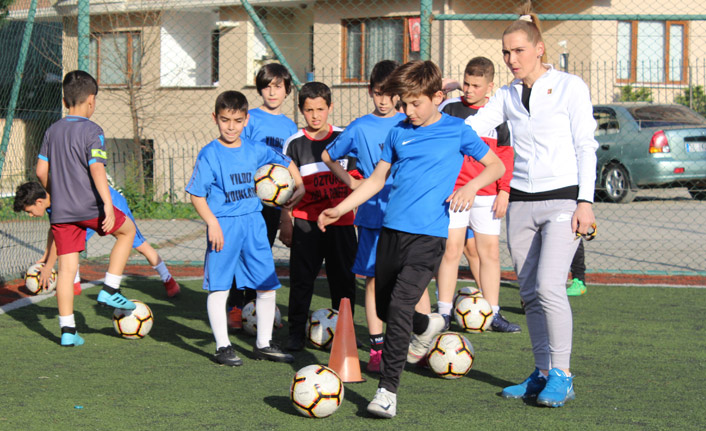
{"x": 419, "y": 344}
{"x": 384, "y": 404}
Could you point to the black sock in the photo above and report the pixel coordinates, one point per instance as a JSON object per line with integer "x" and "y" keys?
{"x": 419, "y": 322}
{"x": 376, "y": 341}
{"x": 68, "y": 329}
{"x": 110, "y": 290}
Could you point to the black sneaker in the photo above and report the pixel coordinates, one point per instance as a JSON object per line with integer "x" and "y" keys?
{"x": 500, "y": 324}
{"x": 226, "y": 356}
{"x": 273, "y": 353}
{"x": 447, "y": 321}
{"x": 294, "y": 344}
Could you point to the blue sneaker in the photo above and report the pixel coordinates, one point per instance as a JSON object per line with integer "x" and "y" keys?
{"x": 559, "y": 389}
{"x": 531, "y": 387}
{"x": 70, "y": 339}
{"x": 116, "y": 300}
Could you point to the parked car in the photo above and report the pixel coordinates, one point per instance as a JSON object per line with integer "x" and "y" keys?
{"x": 645, "y": 145}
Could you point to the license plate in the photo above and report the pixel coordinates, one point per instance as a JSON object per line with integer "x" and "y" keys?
{"x": 694, "y": 147}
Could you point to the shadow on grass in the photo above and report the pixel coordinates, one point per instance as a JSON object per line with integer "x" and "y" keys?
{"x": 489, "y": 379}
{"x": 283, "y": 404}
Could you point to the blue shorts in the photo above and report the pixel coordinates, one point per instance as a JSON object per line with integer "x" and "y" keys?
{"x": 367, "y": 248}
{"x": 246, "y": 256}
{"x": 469, "y": 233}
{"x": 120, "y": 203}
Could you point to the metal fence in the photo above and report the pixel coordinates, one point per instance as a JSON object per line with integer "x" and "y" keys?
{"x": 161, "y": 64}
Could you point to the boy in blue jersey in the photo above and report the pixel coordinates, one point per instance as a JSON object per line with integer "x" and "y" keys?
{"x": 269, "y": 125}
{"x": 71, "y": 167}
{"x": 222, "y": 190}
{"x": 363, "y": 139}
{"x": 31, "y": 198}
{"x": 423, "y": 155}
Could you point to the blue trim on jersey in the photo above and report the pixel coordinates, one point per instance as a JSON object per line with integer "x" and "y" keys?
{"x": 41, "y": 157}
{"x": 425, "y": 164}
{"x": 92, "y": 161}
{"x": 102, "y": 138}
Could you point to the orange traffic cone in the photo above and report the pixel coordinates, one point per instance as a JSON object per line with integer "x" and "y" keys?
{"x": 344, "y": 353}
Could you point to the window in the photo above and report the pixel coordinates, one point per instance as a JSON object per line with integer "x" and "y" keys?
{"x": 606, "y": 121}
{"x": 188, "y": 49}
{"x": 115, "y": 58}
{"x": 652, "y": 51}
{"x": 367, "y": 41}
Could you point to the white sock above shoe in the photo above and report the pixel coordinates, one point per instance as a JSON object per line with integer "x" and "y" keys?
{"x": 67, "y": 321}
{"x": 217, "y": 317}
{"x": 265, "y": 306}
{"x": 444, "y": 307}
{"x": 163, "y": 271}
{"x": 496, "y": 309}
{"x": 112, "y": 280}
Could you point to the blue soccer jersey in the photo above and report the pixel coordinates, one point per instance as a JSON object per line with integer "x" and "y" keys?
{"x": 364, "y": 139}
{"x": 425, "y": 164}
{"x": 271, "y": 129}
{"x": 224, "y": 176}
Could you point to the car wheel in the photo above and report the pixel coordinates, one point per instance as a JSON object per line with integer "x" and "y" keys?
{"x": 616, "y": 185}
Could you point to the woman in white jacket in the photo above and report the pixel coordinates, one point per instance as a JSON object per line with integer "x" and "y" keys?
{"x": 551, "y": 119}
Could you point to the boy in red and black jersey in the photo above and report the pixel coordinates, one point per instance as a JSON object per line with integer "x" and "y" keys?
{"x": 309, "y": 245}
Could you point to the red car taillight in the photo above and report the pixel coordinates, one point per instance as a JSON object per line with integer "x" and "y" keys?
{"x": 659, "y": 143}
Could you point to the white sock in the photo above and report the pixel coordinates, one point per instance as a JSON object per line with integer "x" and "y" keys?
{"x": 265, "y": 315}
{"x": 444, "y": 307}
{"x": 216, "y": 306}
{"x": 77, "y": 279}
{"x": 67, "y": 321}
{"x": 163, "y": 271}
{"x": 112, "y": 280}
{"x": 496, "y": 309}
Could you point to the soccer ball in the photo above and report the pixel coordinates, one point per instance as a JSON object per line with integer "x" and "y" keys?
{"x": 316, "y": 391}
{"x": 274, "y": 185}
{"x": 450, "y": 356}
{"x": 133, "y": 324}
{"x": 474, "y": 314}
{"x": 465, "y": 292}
{"x": 321, "y": 326}
{"x": 250, "y": 318}
{"x": 32, "y": 280}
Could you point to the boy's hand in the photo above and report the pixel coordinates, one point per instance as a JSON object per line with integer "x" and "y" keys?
{"x": 500, "y": 204}
{"x": 462, "y": 199}
{"x": 297, "y": 196}
{"x": 109, "y": 220}
{"x": 448, "y": 85}
{"x": 327, "y": 217}
{"x": 44, "y": 276}
{"x": 583, "y": 218}
{"x": 215, "y": 236}
{"x": 285, "y": 232}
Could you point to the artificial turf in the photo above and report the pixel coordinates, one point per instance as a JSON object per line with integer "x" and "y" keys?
{"x": 639, "y": 361}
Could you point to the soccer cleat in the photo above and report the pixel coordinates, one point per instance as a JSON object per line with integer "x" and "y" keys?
{"x": 70, "y": 338}
{"x": 419, "y": 344}
{"x": 384, "y": 404}
{"x": 559, "y": 389}
{"x": 77, "y": 288}
{"x": 531, "y": 387}
{"x": 273, "y": 353}
{"x": 447, "y": 321}
{"x": 116, "y": 300}
{"x": 500, "y": 324}
{"x": 374, "y": 362}
{"x": 235, "y": 318}
{"x": 577, "y": 288}
{"x": 226, "y": 356}
{"x": 172, "y": 287}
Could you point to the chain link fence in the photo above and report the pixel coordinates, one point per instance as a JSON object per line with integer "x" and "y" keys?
{"x": 161, "y": 64}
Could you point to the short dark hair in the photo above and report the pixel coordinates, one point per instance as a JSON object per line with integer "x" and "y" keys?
{"x": 27, "y": 194}
{"x": 231, "y": 101}
{"x": 414, "y": 78}
{"x": 481, "y": 66}
{"x": 381, "y": 71}
{"x": 77, "y": 86}
{"x": 272, "y": 72}
{"x": 312, "y": 90}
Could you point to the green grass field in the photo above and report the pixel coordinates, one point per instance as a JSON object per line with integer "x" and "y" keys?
{"x": 639, "y": 360}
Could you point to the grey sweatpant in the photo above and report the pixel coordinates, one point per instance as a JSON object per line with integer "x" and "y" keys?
{"x": 542, "y": 245}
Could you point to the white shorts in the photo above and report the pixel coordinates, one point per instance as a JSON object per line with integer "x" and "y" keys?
{"x": 482, "y": 217}
{"x": 459, "y": 219}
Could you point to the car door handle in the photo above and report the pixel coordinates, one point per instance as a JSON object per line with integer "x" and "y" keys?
{"x": 605, "y": 147}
